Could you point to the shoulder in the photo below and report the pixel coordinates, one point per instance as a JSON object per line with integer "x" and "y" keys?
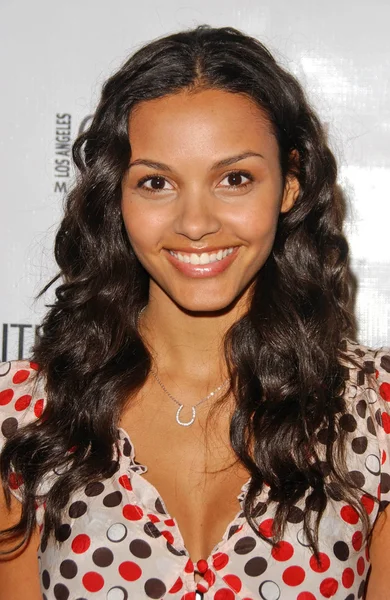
{"x": 367, "y": 367}
{"x": 22, "y": 396}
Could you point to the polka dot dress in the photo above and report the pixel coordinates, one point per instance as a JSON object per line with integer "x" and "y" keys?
{"x": 117, "y": 541}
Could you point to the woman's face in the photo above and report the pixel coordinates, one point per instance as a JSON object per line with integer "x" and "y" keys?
{"x": 202, "y": 196}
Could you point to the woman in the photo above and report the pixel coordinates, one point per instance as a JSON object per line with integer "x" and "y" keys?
{"x": 198, "y": 424}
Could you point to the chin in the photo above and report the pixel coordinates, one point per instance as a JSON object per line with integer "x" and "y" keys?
{"x": 207, "y": 305}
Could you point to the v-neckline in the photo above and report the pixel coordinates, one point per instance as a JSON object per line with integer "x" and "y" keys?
{"x": 139, "y": 470}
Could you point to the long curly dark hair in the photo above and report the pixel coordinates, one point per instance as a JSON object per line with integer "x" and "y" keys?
{"x": 283, "y": 355}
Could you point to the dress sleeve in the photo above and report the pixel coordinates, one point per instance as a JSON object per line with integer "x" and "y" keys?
{"x": 381, "y": 368}
{"x": 21, "y": 402}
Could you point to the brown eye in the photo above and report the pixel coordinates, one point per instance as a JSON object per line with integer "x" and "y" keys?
{"x": 235, "y": 179}
{"x": 157, "y": 183}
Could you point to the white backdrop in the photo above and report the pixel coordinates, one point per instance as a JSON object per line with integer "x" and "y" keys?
{"x": 55, "y": 56}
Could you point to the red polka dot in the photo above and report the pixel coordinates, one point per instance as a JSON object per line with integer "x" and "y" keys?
{"x": 202, "y": 566}
{"x": 81, "y": 543}
{"x": 386, "y": 422}
{"x": 209, "y": 577}
{"x": 224, "y": 594}
{"x": 322, "y": 564}
{"x": 384, "y": 456}
{"x": 15, "y": 480}
{"x": 38, "y": 408}
{"x": 349, "y": 515}
{"x": 132, "y": 512}
{"x": 357, "y": 540}
{"x": 282, "y": 551}
{"x": 293, "y": 575}
{"x": 266, "y": 528}
{"x": 34, "y": 366}
{"x": 384, "y": 390}
{"x": 93, "y": 582}
{"x": 328, "y": 587}
{"x": 23, "y": 402}
{"x": 20, "y": 376}
{"x": 233, "y": 581}
{"x": 188, "y": 596}
{"x": 130, "y": 570}
{"x": 125, "y": 482}
{"x": 368, "y": 504}
{"x": 306, "y": 596}
{"x": 189, "y": 568}
{"x": 6, "y": 397}
{"x": 153, "y": 518}
{"x": 360, "y": 566}
{"x": 201, "y": 587}
{"x": 169, "y": 522}
{"x": 168, "y": 536}
{"x": 176, "y": 586}
{"x": 220, "y": 560}
{"x": 367, "y": 553}
{"x": 348, "y": 578}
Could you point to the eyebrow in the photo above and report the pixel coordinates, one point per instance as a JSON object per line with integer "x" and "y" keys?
{"x": 225, "y": 162}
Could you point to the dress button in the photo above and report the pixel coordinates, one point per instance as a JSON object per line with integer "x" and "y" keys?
{"x": 202, "y": 566}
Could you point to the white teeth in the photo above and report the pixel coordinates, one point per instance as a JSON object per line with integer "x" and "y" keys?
{"x": 194, "y": 259}
{"x": 202, "y": 259}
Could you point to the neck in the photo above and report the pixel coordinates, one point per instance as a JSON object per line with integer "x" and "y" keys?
{"x": 187, "y": 346}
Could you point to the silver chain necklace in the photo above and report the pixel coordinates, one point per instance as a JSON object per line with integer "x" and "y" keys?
{"x": 181, "y": 406}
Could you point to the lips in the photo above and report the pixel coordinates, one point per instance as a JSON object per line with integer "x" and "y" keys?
{"x": 201, "y": 259}
{"x": 204, "y": 264}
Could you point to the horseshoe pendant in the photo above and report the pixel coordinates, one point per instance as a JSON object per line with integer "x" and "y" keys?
{"x": 188, "y": 422}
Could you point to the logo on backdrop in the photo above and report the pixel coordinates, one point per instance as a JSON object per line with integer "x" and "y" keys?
{"x": 63, "y": 149}
{"x": 17, "y": 339}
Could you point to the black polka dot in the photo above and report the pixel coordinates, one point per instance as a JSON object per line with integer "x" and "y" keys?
{"x": 61, "y": 592}
{"x": 341, "y": 550}
{"x": 385, "y": 362}
{"x": 255, "y": 566}
{"x": 361, "y": 408}
{"x": 324, "y": 467}
{"x": 350, "y": 597}
{"x": 334, "y": 491}
{"x": 313, "y": 503}
{"x": 77, "y": 509}
{"x": 94, "y": 488}
{"x": 348, "y": 423}
{"x": 369, "y": 366}
{"x": 385, "y": 483}
{"x": 68, "y": 569}
{"x": 102, "y": 557}
{"x": 154, "y": 588}
{"x": 9, "y": 426}
{"x": 295, "y": 515}
{"x": 151, "y": 530}
{"x": 113, "y": 499}
{"x": 378, "y": 417}
{"x": 371, "y": 426}
{"x": 63, "y": 532}
{"x": 45, "y": 579}
{"x": 126, "y": 447}
{"x": 245, "y": 545}
{"x": 44, "y": 597}
{"x": 174, "y": 550}
{"x": 361, "y": 589}
{"x": 233, "y": 529}
{"x": 383, "y": 504}
{"x": 43, "y": 545}
{"x": 357, "y": 478}
{"x": 140, "y": 548}
{"x": 359, "y": 445}
{"x": 159, "y": 507}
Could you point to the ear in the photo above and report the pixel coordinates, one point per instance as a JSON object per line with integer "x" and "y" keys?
{"x": 291, "y": 187}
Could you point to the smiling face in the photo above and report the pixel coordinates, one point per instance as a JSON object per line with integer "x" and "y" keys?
{"x": 202, "y": 196}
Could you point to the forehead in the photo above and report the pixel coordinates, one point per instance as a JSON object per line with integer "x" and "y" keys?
{"x": 199, "y": 122}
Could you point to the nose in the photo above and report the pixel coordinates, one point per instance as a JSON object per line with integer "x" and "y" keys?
{"x": 196, "y": 215}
